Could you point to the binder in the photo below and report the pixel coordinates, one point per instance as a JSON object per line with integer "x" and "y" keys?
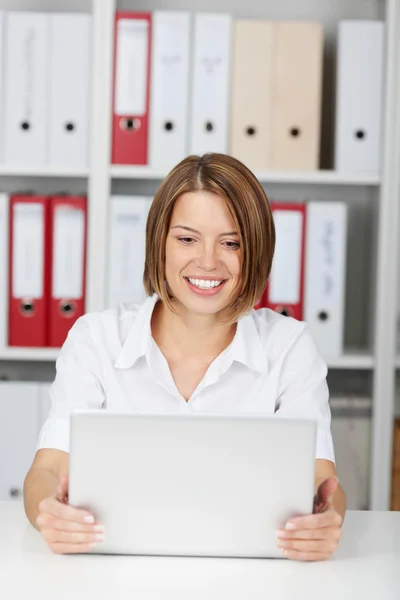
{"x": 127, "y": 249}
{"x": 28, "y": 271}
{"x": 68, "y": 265}
{"x": 359, "y": 85}
{"x": 251, "y": 116}
{"x": 69, "y": 89}
{"x": 169, "y": 88}
{"x": 18, "y": 433}
{"x": 211, "y": 83}
{"x": 284, "y": 292}
{"x": 297, "y": 93}
{"x": 132, "y": 57}
{"x": 26, "y": 95}
{"x": 325, "y": 275}
{"x": 4, "y": 258}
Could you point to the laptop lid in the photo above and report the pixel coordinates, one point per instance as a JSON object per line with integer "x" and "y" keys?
{"x": 191, "y": 485}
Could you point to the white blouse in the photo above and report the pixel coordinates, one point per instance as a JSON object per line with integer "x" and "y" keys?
{"x": 110, "y": 360}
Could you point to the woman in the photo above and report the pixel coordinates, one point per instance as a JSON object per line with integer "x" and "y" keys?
{"x": 195, "y": 344}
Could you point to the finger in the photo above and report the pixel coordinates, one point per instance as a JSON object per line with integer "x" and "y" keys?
{"x": 330, "y": 518}
{"x": 305, "y": 556}
{"x": 54, "y": 536}
{"x": 50, "y": 522}
{"x": 71, "y": 549}
{"x": 322, "y": 546}
{"x": 57, "y": 509}
{"x": 325, "y": 533}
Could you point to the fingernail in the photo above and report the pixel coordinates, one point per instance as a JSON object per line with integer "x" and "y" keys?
{"x": 99, "y": 537}
{"x": 92, "y": 545}
{"x": 98, "y": 528}
{"x": 88, "y": 519}
{"x": 290, "y": 526}
{"x": 280, "y": 533}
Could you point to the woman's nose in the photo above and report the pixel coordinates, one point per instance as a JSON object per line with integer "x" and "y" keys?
{"x": 207, "y": 258}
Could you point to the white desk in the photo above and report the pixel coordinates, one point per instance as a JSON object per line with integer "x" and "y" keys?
{"x": 366, "y": 566}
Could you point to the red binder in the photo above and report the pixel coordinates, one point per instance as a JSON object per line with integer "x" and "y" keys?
{"x": 28, "y": 270}
{"x": 68, "y": 234}
{"x": 132, "y": 59}
{"x": 285, "y": 288}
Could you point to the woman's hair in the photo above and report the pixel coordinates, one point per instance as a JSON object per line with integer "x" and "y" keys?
{"x": 248, "y": 204}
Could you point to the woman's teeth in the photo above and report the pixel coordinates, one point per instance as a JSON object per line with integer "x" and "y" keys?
{"x": 205, "y": 284}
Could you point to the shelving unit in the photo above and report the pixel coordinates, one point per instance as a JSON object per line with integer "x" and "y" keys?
{"x": 30, "y": 354}
{"x": 379, "y": 191}
{"x": 43, "y": 171}
{"x": 322, "y": 177}
{"x": 357, "y": 360}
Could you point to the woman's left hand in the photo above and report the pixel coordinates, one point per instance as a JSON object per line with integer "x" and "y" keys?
{"x": 314, "y": 537}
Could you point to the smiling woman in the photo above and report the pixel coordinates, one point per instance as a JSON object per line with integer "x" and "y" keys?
{"x": 195, "y": 345}
{"x": 210, "y": 221}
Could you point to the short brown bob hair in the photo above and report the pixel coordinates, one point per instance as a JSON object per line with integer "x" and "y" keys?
{"x": 248, "y": 204}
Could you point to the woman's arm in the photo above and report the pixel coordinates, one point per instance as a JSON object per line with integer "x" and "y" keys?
{"x": 42, "y": 479}
{"x": 323, "y": 470}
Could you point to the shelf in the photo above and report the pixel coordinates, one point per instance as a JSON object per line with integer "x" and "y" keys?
{"x": 305, "y": 177}
{"x": 30, "y": 354}
{"x": 42, "y": 171}
{"x": 356, "y": 360}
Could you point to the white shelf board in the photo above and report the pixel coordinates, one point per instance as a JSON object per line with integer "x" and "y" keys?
{"x": 352, "y": 360}
{"x": 356, "y": 360}
{"x": 42, "y": 171}
{"x": 325, "y": 177}
{"x": 30, "y": 354}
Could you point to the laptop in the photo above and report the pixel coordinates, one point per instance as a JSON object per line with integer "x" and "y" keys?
{"x": 191, "y": 484}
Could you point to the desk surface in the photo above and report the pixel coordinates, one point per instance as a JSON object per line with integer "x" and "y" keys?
{"x": 366, "y": 565}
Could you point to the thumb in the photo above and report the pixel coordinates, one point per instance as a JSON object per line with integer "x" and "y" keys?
{"x": 327, "y": 490}
{"x": 62, "y": 489}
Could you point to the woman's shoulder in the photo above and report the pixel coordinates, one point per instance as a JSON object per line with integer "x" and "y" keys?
{"x": 269, "y": 321}
{"x": 277, "y": 332}
{"x": 100, "y": 326}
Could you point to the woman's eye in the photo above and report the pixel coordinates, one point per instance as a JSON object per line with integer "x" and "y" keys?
{"x": 233, "y": 245}
{"x": 185, "y": 240}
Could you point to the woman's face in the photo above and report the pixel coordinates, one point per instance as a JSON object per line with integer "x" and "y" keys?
{"x": 202, "y": 253}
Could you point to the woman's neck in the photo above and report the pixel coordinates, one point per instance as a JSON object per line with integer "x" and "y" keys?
{"x": 189, "y": 336}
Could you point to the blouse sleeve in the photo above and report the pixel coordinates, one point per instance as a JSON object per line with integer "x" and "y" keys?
{"x": 77, "y": 385}
{"x": 303, "y": 390}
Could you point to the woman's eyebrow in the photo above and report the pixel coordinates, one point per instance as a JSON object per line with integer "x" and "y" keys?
{"x": 198, "y": 232}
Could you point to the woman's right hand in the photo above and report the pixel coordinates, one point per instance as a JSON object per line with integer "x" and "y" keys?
{"x": 67, "y": 530}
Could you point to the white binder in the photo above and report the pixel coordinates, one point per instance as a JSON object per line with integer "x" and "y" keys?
{"x": 4, "y": 258}
{"x": 211, "y": 83}
{"x": 325, "y": 275}
{"x": 169, "y": 88}
{"x": 26, "y": 99}
{"x": 18, "y": 433}
{"x": 69, "y": 89}
{"x": 359, "y": 86}
{"x": 127, "y": 249}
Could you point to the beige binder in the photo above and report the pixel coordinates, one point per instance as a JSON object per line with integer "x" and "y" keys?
{"x": 297, "y": 91}
{"x": 251, "y": 92}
